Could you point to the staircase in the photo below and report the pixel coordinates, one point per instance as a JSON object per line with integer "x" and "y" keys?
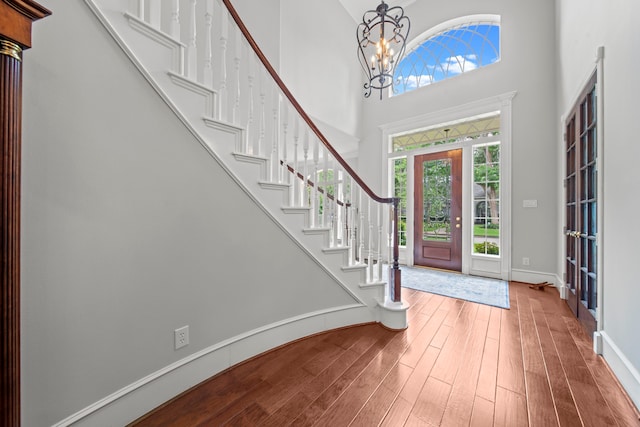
{"x": 204, "y": 64}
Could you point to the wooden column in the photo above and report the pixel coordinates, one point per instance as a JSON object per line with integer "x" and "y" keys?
{"x": 15, "y": 35}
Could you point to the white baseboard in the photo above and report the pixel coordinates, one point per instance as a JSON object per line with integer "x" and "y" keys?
{"x": 624, "y": 370}
{"x": 529, "y": 276}
{"x": 142, "y": 396}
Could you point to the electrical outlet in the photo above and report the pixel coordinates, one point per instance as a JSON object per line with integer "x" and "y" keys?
{"x": 525, "y": 261}
{"x": 181, "y": 337}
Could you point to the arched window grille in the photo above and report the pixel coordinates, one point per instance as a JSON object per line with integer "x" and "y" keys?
{"x": 449, "y": 49}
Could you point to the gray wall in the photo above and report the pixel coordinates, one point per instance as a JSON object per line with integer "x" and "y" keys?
{"x": 526, "y": 66}
{"x": 131, "y": 230}
{"x": 319, "y": 61}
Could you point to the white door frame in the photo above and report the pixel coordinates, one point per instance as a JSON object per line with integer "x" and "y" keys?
{"x": 471, "y": 264}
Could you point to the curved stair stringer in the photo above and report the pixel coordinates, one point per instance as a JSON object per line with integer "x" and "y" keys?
{"x": 160, "y": 60}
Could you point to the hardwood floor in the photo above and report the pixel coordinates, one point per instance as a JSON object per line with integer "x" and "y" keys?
{"x": 458, "y": 364}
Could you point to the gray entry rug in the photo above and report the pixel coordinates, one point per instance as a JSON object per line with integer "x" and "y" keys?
{"x": 470, "y": 288}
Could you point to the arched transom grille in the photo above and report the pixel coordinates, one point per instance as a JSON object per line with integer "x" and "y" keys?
{"x": 450, "y": 49}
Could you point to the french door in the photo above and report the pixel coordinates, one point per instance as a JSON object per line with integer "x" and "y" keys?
{"x": 581, "y": 203}
{"x": 438, "y": 210}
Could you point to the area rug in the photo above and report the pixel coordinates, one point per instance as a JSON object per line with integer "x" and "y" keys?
{"x": 470, "y": 288}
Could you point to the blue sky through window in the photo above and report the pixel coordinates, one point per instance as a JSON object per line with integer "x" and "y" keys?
{"x": 448, "y": 53}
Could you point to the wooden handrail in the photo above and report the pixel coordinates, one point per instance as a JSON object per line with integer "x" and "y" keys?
{"x": 395, "y": 289}
{"x": 298, "y": 108}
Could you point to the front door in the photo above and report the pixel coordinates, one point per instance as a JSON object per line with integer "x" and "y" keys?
{"x": 438, "y": 210}
{"x": 581, "y": 203}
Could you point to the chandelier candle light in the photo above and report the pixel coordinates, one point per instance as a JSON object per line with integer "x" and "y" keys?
{"x": 380, "y": 56}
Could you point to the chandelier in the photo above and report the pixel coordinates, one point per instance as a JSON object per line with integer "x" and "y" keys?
{"x": 382, "y": 36}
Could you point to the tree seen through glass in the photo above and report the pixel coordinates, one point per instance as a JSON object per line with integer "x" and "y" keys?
{"x": 436, "y": 200}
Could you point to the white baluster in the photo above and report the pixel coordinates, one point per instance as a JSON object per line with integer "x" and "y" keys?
{"x": 379, "y": 241}
{"x": 305, "y": 172}
{"x": 141, "y": 9}
{"x": 330, "y": 204}
{"x": 192, "y": 53}
{"x": 236, "y": 60}
{"x": 250, "y": 75}
{"x": 263, "y": 112}
{"x": 224, "y": 34}
{"x": 296, "y": 168}
{"x": 174, "y": 24}
{"x": 325, "y": 187}
{"x": 335, "y": 205}
{"x": 207, "y": 73}
{"x": 275, "y": 143}
{"x": 370, "y": 243}
{"x": 360, "y": 228}
{"x": 344, "y": 224}
{"x": 283, "y": 172}
{"x": 352, "y": 223}
{"x": 155, "y": 14}
{"x": 315, "y": 206}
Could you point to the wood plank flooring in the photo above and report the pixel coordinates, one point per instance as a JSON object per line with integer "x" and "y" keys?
{"x": 458, "y": 364}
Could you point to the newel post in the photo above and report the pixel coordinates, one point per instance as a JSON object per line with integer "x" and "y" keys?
{"x": 396, "y": 281}
{"x": 16, "y": 17}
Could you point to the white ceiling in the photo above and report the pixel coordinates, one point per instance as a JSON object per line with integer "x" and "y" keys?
{"x": 357, "y": 8}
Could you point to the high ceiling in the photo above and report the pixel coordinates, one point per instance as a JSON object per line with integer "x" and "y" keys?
{"x": 357, "y": 8}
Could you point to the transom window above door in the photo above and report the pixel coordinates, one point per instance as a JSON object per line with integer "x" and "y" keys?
{"x": 449, "y": 49}
{"x": 445, "y": 133}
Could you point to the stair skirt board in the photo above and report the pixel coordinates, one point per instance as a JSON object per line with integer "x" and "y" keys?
{"x": 137, "y": 399}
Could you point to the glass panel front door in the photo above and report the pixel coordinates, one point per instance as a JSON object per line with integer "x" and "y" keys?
{"x": 438, "y": 210}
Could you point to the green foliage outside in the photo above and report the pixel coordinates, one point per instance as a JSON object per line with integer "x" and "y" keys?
{"x": 437, "y": 194}
{"x": 486, "y": 248}
{"x": 486, "y": 173}
{"x": 400, "y": 191}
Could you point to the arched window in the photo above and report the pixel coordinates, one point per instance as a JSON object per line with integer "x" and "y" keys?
{"x": 451, "y": 48}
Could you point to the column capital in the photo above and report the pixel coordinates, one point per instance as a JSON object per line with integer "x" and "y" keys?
{"x": 11, "y": 49}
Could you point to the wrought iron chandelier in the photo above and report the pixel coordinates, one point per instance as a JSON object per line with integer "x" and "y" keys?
{"x": 382, "y": 37}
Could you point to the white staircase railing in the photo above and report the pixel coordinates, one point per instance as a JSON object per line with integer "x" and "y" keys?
{"x": 217, "y": 54}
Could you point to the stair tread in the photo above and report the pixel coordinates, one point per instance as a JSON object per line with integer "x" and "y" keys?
{"x": 336, "y": 249}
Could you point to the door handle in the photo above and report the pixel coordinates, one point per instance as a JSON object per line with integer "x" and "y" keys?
{"x": 457, "y": 225}
{"x": 458, "y": 218}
